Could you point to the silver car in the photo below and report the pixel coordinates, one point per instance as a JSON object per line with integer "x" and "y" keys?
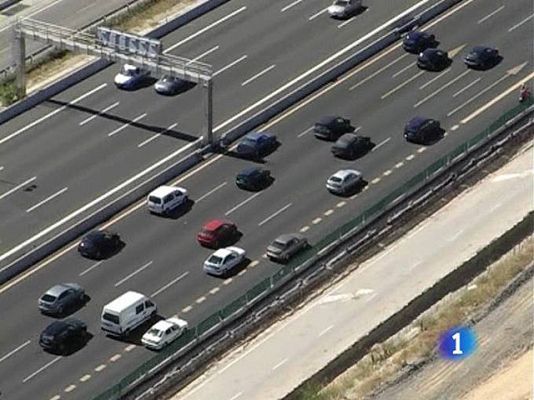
{"x": 344, "y": 181}
{"x": 344, "y": 8}
{"x": 61, "y": 298}
{"x": 286, "y": 246}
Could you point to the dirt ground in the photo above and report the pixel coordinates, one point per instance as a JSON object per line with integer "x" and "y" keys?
{"x": 500, "y": 369}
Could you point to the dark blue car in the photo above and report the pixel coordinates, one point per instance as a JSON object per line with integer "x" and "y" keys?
{"x": 416, "y": 41}
{"x": 422, "y": 130}
{"x": 482, "y": 57}
{"x": 257, "y": 144}
{"x": 253, "y": 178}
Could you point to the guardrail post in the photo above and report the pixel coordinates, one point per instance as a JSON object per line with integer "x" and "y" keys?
{"x": 208, "y": 110}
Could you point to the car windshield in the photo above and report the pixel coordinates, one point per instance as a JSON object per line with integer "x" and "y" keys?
{"x": 127, "y": 71}
{"x": 336, "y": 179}
{"x": 341, "y": 2}
{"x": 111, "y": 318}
{"x": 279, "y": 244}
{"x": 154, "y": 199}
{"x": 155, "y": 332}
{"x": 249, "y": 142}
{"x": 215, "y": 260}
{"x": 321, "y": 128}
{"x": 48, "y": 298}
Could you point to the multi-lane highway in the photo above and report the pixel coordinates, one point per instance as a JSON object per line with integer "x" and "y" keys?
{"x": 161, "y": 257}
{"x": 80, "y": 145}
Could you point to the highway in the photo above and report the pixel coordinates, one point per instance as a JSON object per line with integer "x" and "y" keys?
{"x": 161, "y": 257}
{"x": 80, "y": 145}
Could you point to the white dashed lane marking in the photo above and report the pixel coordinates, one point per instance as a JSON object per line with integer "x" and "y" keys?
{"x": 100, "y": 367}
{"x": 115, "y": 358}
{"x": 85, "y": 378}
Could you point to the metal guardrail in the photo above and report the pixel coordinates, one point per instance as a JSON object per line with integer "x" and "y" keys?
{"x": 305, "y": 260}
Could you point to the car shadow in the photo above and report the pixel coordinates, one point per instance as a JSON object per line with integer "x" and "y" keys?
{"x": 70, "y": 350}
{"x": 187, "y": 86}
{"x": 178, "y": 212}
{"x": 135, "y": 336}
{"x": 487, "y": 67}
{"x": 355, "y": 190}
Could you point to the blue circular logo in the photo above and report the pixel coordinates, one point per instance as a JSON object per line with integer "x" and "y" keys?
{"x": 457, "y": 343}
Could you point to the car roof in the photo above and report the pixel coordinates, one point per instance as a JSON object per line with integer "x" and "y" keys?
{"x": 286, "y": 237}
{"x": 162, "y": 325}
{"x": 96, "y": 234}
{"x": 416, "y": 122}
{"x": 57, "y": 289}
{"x": 123, "y": 301}
{"x": 343, "y": 173}
{"x": 256, "y": 135}
{"x": 222, "y": 252}
{"x": 481, "y": 49}
{"x": 327, "y": 119}
{"x": 130, "y": 67}
{"x": 417, "y": 34}
{"x": 250, "y": 171}
{"x": 214, "y": 224}
{"x": 163, "y": 191}
{"x": 58, "y": 326}
{"x": 347, "y": 138}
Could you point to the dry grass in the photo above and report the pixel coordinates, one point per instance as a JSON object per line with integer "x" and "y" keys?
{"x": 417, "y": 342}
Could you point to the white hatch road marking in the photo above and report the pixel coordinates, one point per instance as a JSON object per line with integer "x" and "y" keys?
{"x": 291, "y": 5}
{"x": 317, "y": 14}
{"x": 148, "y": 264}
{"x": 116, "y": 357}
{"x": 230, "y": 65}
{"x": 305, "y": 132}
{"x": 85, "y": 378}
{"x": 12, "y": 190}
{"x": 100, "y": 367}
{"x": 211, "y": 191}
{"x": 139, "y": 117}
{"x": 275, "y": 214}
{"x": 157, "y": 135}
{"x": 70, "y": 388}
{"x": 6, "y": 356}
{"x": 325, "y": 330}
{"x": 234, "y": 397}
{"x": 383, "y": 142}
{"x": 368, "y": 77}
{"x": 51, "y": 197}
{"x": 50, "y": 114}
{"x": 466, "y": 87}
{"x": 491, "y": 14}
{"x": 496, "y": 99}
{"x": 520, "y": 23}
{"x": 201, "y": 31}
{"x": 105, "y": 110}
{"x": 202, "y": 55}
{"x": 231, "y": 210}
{"x": 404, "y": 69}
{"x": 455, "y": 236}
{"x": 507, "y": 74}
{"x": 406, "y": 82}
{"x": 168, "y": 285}
{"x": 41, "y": 369}
{"x": 254, "y": 77}
{"x": 95, "y": 265}
{"x": 452, "y": 81}
{"x": 280, "y": 364}
{"x": 431, "y": 81}
{"x": 341, "y": 25}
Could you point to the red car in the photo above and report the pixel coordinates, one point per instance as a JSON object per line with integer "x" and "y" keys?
{"x": 217, "y": 233}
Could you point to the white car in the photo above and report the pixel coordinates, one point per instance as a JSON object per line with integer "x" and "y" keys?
{"x": 343, "y": 181}
{"x": 130, "y": 76}
{"x": 344, "y": 8}
{"x": 164, "y": 332}
{"x": 223, "y": 260}
{"x": 165, "y": 199}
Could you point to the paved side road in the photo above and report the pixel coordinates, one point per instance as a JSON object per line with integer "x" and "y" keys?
{"x": 293, "y": 349}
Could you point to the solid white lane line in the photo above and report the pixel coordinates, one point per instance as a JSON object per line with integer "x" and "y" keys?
{"x": 252, "y": 78}
{"x": 127, "y": 124}
{"x": 230, "y": 211}
{"x": 442, "y": 88}
{"x": 341, "y": 25}
{"x": 148, "y": 264}
{"x": 491, "y": 14}
{"x": 369, "y": 77}
{"x": 305, "y": 132}
{"x": 290, "y": 5}
{"x": 404, "y": 69}
{"x": 157, "y": 135}
{"x": 203, "y": 54}
{"x": 520, "y": 23}
{"x": 12, "y": 190}
{"x": 230, "y": 65}
{"x": 99, "y": 113}
{"x": 211, "y": 191}
{"x": 317, "y": 14}
{"x": 433, "y": 79}
{"x": 168, "y": 285}
{"x": 467, "y": 87}
{"x": 201, "y": 31}
{"x": 95, "y": 265}
{"x": 406, "y": 82}
{"x": 280, "y": 364}
{"x": 325, "y": 330}
{"x": 58, "y": 193}
{"x": 6, "y": 356}
{"x": 51, "y": 114}
{"x": 41, "y": 369}
{"x": 383, "y": 142}
{"x": 275, "y": 214}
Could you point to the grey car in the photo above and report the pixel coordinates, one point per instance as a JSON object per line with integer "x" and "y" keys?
{"x": 286, "y": 246}
{"x": 170, "y": 85}
{"x": 61, "y": 298}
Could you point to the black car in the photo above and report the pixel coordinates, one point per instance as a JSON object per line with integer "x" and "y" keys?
{"x": 61, "y": 298}
{"x": 422, "y": 130}
{"x": 331, "y": 127}
{"x": 257, "y": 145}
{"x": 170, "y": 85}
{"x": 253, "y": 178}
{"x": 482, "y": 57}
{"x": 62, "y": 335}
{"x": 417, "y": 41}
{"x": 99, "y": 244}
{"x": 433, "y": 60}
{"x": 350, "y": 145}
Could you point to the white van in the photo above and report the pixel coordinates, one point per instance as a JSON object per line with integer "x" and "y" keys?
{"x": 127, "y": 312}
{"x": 166, "y": 198}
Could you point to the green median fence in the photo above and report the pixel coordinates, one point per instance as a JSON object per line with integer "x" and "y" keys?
{"x": 283, "y": 273}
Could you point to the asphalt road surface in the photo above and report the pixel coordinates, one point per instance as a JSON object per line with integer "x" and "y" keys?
{"x": 161, "y": 257}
